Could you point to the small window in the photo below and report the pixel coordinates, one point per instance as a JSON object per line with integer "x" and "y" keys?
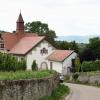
{"x": 2, "y": 45}
{"x": 44, "y": 51}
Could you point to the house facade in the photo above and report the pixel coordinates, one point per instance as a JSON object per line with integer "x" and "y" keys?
{"x": 35, "y": 48}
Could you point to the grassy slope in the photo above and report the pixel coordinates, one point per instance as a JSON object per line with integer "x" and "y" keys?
{"x": 58, "y": 93}
{"x": 25, "y": 75}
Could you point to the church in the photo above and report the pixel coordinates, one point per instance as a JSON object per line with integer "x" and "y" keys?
{"x": 32, "y": 47}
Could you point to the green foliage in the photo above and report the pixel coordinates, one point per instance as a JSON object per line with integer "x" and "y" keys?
{"x": 41, "y": 29}
{"x": 57, "y": 93}
{"x": 64, "y": 45}
{"x": 90, "y": 66}
{"x": 25, "y": 75}
{"x": 75, "y": 76}
{"x": 77, "y": 64}
{"x": 92, "y": 50}
{"x": 34, "y": 65}
{"x": 66, "y": 78}
{"x": 11, "y": 63}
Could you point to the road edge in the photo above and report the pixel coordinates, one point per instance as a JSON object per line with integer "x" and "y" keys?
{"x": 68, "y": 96}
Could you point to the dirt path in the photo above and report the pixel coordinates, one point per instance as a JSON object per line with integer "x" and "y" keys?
{"x": 82, "y": 92}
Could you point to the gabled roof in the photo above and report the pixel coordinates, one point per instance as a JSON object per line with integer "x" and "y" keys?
{"x": 10, "y": 39}
{"x": 59, "y": 55}
{"x": 26, "y": 44}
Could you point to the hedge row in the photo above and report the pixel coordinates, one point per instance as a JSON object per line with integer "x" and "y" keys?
{"x": 90, "y": 66}
{"x": 11, "y": 63}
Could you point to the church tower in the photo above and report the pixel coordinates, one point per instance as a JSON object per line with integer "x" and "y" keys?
{"x": 20, "y": 25}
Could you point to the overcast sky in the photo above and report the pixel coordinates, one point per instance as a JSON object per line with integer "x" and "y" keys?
{"x": 66, "y": 17}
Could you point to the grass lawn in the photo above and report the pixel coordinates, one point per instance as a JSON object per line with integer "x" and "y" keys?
{"x": 58, "y": 93}
{"x": 25, "y": 75}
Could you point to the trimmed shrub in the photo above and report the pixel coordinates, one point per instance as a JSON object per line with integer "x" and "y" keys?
{"x": 34, "y": 65}
{"x": 77, "y": 64}
{"x": 75, "y": 76}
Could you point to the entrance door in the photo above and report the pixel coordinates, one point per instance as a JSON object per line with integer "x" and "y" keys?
{"x": 44, "y": 66}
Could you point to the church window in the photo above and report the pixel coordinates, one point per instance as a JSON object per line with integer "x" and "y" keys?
{"x": 44, "y": 51}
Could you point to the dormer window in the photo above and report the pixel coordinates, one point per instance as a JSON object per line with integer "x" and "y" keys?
{"x": 44, "y": 51}
{"x": 1, "y": 43}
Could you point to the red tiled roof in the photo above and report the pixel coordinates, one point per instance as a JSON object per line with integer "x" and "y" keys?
{"x": 10, "y": 39}
{"x": 26, "y": 44}
{"x": 59, "y": 55}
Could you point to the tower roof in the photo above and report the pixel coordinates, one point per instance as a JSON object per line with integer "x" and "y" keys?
{"x": 20, "y": 18}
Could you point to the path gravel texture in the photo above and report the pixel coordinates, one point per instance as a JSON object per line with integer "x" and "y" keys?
{"x": 82, "y": 92}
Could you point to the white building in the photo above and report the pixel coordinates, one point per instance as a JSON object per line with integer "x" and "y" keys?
{"x": 33, "y": 47}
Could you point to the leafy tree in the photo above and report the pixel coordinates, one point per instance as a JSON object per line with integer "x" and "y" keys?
{"x": 92, "y": 50}
{"x": 64, "y": 45}
{"x": 74, "y": 46}
{"x": 87, "y": 55}
{"x": 94, "y": 44}
{"x": 41, "y": 29}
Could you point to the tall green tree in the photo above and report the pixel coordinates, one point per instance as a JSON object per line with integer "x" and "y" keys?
{"x": 41, "y": 29}
{"x": 77, "y": 64}
{"x": 92, "y": 50}
{"x": 94, "y": 44}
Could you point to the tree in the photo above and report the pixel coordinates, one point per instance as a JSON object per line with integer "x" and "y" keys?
{"x": 91, "y": 51}
{"x": 41, "y": 29}
{"x": 64, "y": 45}
{"x": 87, "y": 55}
{"x": 74, "y": 46}
{"x": 94, "y": 44}
{"x": 77, "y": 64}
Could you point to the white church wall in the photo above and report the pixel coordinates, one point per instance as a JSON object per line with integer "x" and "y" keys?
{"x": 36, "y": 54}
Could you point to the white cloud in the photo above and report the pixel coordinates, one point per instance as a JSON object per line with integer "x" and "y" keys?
{"x": 66, "y": 17}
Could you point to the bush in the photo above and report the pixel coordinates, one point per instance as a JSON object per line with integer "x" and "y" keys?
{"x": 57, "y": 93}
{"x": 90, "y": 66}
{"x": 34, "y": 65}
{"x": 11, "y": 63}
{"x": 67, "y": 78}
{"x": 75, "y": 76}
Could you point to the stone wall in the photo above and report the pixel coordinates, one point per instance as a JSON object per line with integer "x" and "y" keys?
{"x": 94, "y": 79}
{"x": 31, "y": 89}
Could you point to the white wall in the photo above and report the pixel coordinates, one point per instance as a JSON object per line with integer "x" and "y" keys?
{"x": 35, "y": 54}
{"x": 61, "y": 67}
{"x": 57, "y": 66}
{"x": 68, "y": 62}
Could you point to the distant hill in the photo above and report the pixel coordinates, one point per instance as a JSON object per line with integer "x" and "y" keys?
{"x": 78, "y": 39}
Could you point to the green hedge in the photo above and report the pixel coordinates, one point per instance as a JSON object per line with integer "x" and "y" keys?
{"x": 90, "y": 66}
{"x": 11, "y": 63}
